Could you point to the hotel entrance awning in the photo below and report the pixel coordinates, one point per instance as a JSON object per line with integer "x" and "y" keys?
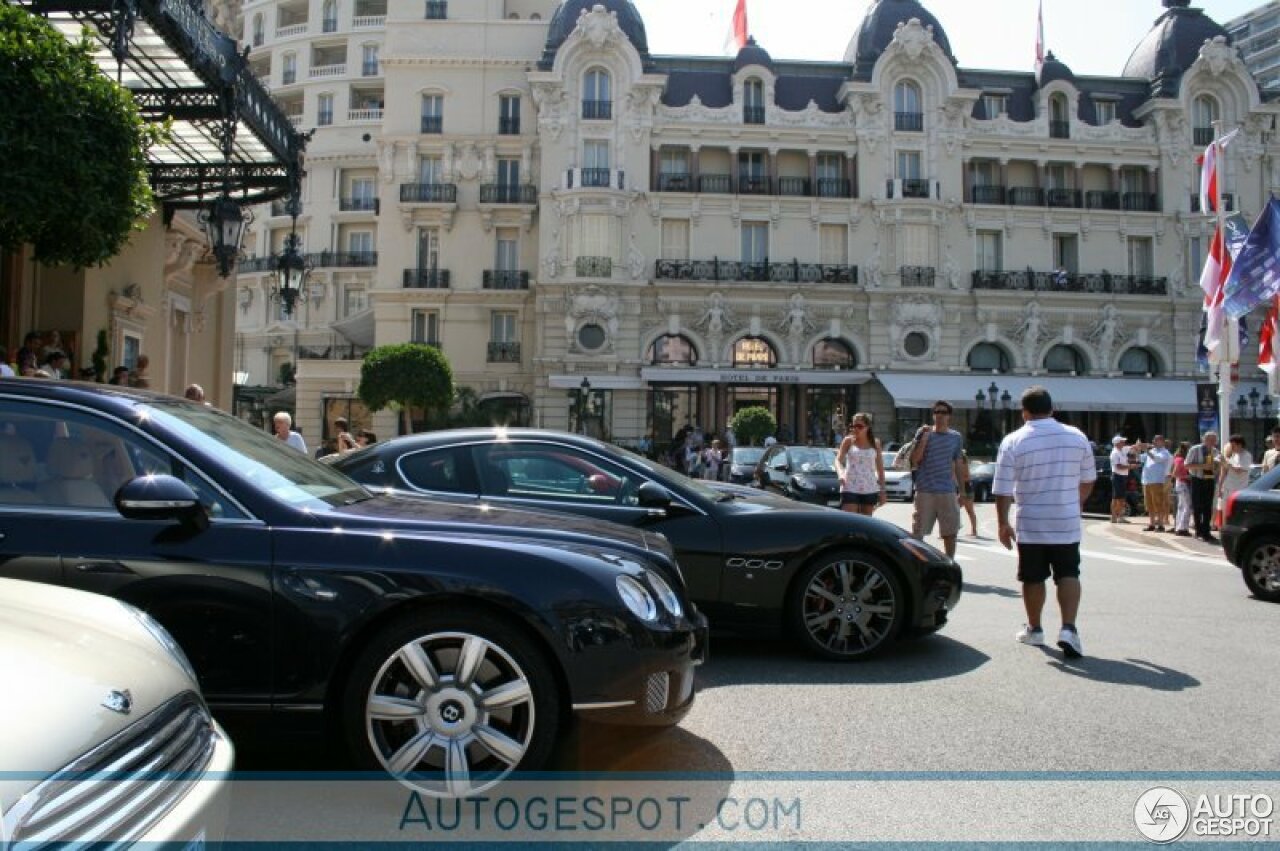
{"x": 1124, "y": 395}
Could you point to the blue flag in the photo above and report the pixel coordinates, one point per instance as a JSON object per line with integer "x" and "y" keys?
{"x": 1255, "y": 277}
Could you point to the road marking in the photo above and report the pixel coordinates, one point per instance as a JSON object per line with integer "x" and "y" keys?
{"x": 1179, "y": 556}
{"x": 1138, "y": 562}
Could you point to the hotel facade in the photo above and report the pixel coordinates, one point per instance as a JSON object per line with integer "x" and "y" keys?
{"x": 603, "y": 239}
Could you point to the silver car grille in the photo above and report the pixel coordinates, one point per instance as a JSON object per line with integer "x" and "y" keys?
{"x": 656, "y": 690}
{"x": 118, "y": 790}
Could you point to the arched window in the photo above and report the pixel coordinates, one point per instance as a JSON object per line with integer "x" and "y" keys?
{"x": 833, "y": 354}
{"x": 258, "y": 36}
{"x": 1059, "y": 117}
{"x": 988, "y": 357}
{"x": 754, "y": 351}
{"x": 672, "y": 350}
{"x": 1204, "y": 111}
{"x": 753, "y": 102}
{"x": 1139, "y": 361}
{"x": 597, "y": 97}
{"x": 1065, "y": 360}
{"x": 908, "y": 113}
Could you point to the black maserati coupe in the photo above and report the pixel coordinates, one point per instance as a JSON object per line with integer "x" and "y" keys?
{"x": 450, "y": 643}
{"x": 845, "y": 584}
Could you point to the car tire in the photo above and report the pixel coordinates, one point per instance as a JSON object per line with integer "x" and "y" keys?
{"x": 450, "y": 703}
{"x": 862, "y": 590}
{"x": 1260, "y": 564}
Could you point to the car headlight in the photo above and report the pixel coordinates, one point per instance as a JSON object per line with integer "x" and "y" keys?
{"x": 164, "y": 639}
{"x": 804, "y": 484}
{"x": 637, "y": 598}
{"x": 666, "y": 596}
{"x": 921, "y": 550}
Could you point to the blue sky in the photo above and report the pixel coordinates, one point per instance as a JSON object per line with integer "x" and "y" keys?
{"x": 1092, "y": 36}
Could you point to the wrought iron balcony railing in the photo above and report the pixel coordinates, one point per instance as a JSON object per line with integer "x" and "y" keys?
{"x": 358, "y": 205}
{"x": 834, "y": 187}
{"x": 1059, "y": 129}
{"x": 343, "y": 259}
{"x": 736, "y": 270}
{"x": 917, "y": 276}
{"x": 987, "y": 195}
{"x": 1101, "y": 199}
{"x": 912, "y": 122}
{"x": 509, "y": 125}
{"x": 504, "y": 352}
{"x": 1026, "y": 196}
{"x": 256, "y": 264}
{"x": 428, "y": 193}
{"x": 596, "y": 177}
{"x": 1062, "y": 197}
{"x": 1228, "y": 203}
{"x": 505, "y": 279}
{"x": 793, "y": 186}
{"x": 1202, "y": 136}
{"x": 433, "y": 124}
{"x": 753, "y": 114}
{"x": 426, "y": 279}
{"x": 1138, "y": 201}
{"x": 754, "y": 185}
{"x": 675, "y": 182}
{"x": 597, "y": 110}
{"x": 508, "y": 193}
{"x": 717, "y": 183}
{"x": 593, "y": 267}
{"x": 1071, "y": 282}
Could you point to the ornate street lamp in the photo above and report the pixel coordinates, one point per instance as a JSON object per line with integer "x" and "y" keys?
{"x": 584, "y": 402}
{"x": 224, "y": 222}
{"x": 291, "y": 273}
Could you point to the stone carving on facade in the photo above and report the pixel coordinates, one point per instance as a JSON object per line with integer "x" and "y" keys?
{"x": 1217, "y": 55}
{"x": 871, "y": 268}
{"x": 635, "y": 258}
{"x": 1171, "y": 133}
{"x": 1030, "y": 332}
{"x": 549, "y": 100}
{"x": 914, "y": 313}
{"x": 1251, "y": 143}
{"x": 912, "y": 38}
{"x": 1177, "y": 272}
{"x": 869, "y": 119}
{"x": 717, "y": 319}
{"x": 551, "y": 262}
{"x": 698, "y": 113}
{"x": 599, "y": 27}
{"x": 951, "y": 271}
{"x": 641, "y": 103}
{"x": 1107, "y": 332}
{"x": 592, "y": 305}
{"x": 468, "y": 162}
{"x": 794, "y": 321}
{"x": 952, "y": 124}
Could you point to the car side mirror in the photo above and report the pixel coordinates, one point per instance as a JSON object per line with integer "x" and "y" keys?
{"x": 653, "y": 495}
{"x": 160, "y": 497}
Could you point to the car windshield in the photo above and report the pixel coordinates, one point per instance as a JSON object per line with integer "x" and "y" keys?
{"x": 747, "y": 454}
{"x": 982, "y": 468}
{"x": 285, "y": 473}
{"x": 813, "y": 460}
{"x": 670, "y": 478}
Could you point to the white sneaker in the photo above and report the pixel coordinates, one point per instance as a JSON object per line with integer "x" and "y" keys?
{"x": 1027, "y": 635}
{"x": 1069, "y": 641}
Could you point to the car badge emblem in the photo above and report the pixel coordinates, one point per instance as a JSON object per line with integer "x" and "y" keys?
{"x": 119, "y": 701}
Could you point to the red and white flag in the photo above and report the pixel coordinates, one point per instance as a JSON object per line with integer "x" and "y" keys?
{"x": 1040, "y": 36}
{"x": 736, "y": 38}
{"x": 1208, "y": 162}
{"x": 1213, "y": 279}
{"x": 1267, "y": 341}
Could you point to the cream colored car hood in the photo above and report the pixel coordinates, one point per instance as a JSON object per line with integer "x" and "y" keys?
{"x": 61, "y": 654}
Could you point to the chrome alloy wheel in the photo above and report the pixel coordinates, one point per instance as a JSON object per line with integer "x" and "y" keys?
{"x": 1264, "y": 567}
{"x": 450, "y": 714}
{"x": 850, "y": 607}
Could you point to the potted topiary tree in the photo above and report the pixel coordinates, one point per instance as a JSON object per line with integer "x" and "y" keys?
{"x": 752, "y": 425}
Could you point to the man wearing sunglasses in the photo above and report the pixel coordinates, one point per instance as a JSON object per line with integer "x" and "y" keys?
{"x": 940, "y": 472}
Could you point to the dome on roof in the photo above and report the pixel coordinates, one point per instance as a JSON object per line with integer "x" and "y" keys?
{"x": 565, "y": 20}
{"x": 876, "y": 32}
{"x": 752, "y": 54}
{"x": 1052, "y": 70}
{"x": 1172, "y": 46}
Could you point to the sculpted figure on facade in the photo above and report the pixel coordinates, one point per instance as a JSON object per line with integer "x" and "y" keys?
{"x": 635, "y": 258}
{"x": 871, "y": 269}
{"x": 795, "y": 323}
{"x": 1106, "y": 332}
{"x": 1030, "y": 332}
{"x": 598, "y": 26}
{"x": 912, "y": 37}
{"x": 551, "y": 262}
{"x": 913, "y": 313}
{"x": 717, "y": 318}
{"x": 549, "y": 100}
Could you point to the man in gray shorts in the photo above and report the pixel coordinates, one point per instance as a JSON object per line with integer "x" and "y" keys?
{"x": 938, "y": 459}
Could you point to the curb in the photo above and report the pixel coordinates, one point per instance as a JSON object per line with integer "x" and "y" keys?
{"x": 1159, "y": 540}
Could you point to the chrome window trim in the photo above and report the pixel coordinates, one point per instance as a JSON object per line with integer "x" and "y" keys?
{"x": 675, "y": 497}
{"x": 249, "y": 516}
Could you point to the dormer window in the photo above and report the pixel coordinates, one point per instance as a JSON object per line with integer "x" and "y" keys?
{"x": 753, "y": 102}
{"x": 1104, "y": 112}
{"x": 1059, "y": 118}
{"x": 597, "y": 97}
{"x": 994, "y": 106}
{"x": 907, "y": 112}
{"x": 1204, "y": 112}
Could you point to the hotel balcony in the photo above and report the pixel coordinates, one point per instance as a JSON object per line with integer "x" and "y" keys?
{"x": 504, "y": 353}
{"x": 505, "y": 279}
{"x": 503, "y": 193}
{"x": 358, "y": 205}
{"x": 735, "y": 270}
{"x": 917, "y": 276}
{"x": 1103, "y": 283}
{"x": 428, "y": 193}
{"x": 426, "y": 279}
{"x": 595, "y": 178}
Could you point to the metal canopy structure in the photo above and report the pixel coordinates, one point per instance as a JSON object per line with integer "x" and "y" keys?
{"x": 227, "y": 132}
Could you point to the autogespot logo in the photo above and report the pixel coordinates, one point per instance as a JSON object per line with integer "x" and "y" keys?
{"x": 1162, "y": 814}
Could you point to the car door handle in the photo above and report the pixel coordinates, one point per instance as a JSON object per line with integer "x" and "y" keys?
{"x": 102, "y": 567}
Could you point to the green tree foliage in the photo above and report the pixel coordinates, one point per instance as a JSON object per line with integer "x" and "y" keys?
{"x": 72, "y": 146}
{"x": 752, "y": 425}
{"x": 407, "y": 375}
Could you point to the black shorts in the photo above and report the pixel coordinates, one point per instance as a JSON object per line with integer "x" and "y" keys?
{"x": 1036, "y": 561}
{"x": 847, "y": 498}
{"x": 1119, "y": 486}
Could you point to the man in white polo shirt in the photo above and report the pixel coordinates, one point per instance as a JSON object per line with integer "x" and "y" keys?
{"x": 1048, "y": 468}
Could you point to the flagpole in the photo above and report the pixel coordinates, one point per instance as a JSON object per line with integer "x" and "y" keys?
{"x": 1224, "y": 364}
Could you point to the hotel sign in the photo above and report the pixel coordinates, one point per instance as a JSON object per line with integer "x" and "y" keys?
{"x": 685, "y": 375}
{"x": 753, "y": 351}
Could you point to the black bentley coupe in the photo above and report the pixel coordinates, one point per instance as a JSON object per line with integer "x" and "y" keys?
{"x": 847, "y": 585}
{"x": 450, "y": 643}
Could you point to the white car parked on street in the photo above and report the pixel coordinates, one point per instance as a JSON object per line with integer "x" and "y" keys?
{"x": 104, "y": 737}
{"x": 898, "y": 484}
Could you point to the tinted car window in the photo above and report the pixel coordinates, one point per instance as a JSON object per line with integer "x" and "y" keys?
{"x": 63, "y": 458}
{"x": 813, "y": 460}
{"x": 544, "y": 471}
{"x": 747, "y": 454}
{"x": 440, "y": 470}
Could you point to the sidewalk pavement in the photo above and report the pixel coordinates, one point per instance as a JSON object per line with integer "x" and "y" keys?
{"x": 1132, "y": 532}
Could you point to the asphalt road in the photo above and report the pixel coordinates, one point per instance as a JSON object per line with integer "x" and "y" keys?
{"x": 1178, "y": 681}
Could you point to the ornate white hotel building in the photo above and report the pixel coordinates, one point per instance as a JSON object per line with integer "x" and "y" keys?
{"x": 522, "y": 183}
